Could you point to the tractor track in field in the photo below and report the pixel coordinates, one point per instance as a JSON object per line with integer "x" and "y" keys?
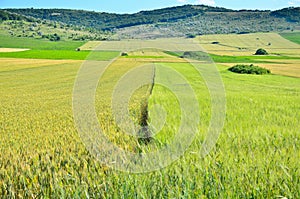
{"x": 145, "y": 135}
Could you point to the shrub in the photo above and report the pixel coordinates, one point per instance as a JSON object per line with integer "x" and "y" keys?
{"x": 249, "y": 69}
{"x": 261, "y": 51}
{"x": 197, "y": 55}
{"x": 53, "y": 37}
{"x": 190, "y": 35}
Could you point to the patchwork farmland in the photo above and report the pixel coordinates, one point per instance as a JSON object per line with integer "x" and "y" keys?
{"x": 43, "y": 145}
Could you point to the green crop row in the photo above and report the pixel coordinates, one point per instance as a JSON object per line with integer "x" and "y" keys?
{"x": 37, "y": 44}
{"x": 61, "y": 54}
{"x": 294, "y": 37}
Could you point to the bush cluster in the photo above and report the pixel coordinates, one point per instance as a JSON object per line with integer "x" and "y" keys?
{"x": 51, "y": 37}
{"x": 261, "y": 51}
{"x": 249, "y": 69}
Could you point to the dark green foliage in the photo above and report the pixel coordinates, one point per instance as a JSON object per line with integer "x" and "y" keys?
{"x": 249, "y": 69}
{"x": 261, "y": 51}
{"x": 108, "y": 21}
{"x": 144, "y": 134}
{"x": 243, "y": 32}
{"x": 183, "y": 19}
{"x": 290, "y": 14}
{"x": 52, "y": 37}
{"x": 4, "y": 15}
{"x": 190, "y": 35}
{"x": 197, "y": 55}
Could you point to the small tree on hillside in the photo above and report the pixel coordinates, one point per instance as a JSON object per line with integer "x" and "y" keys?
{"x": 190, "y": 35}
{"x": 261, "y": 51}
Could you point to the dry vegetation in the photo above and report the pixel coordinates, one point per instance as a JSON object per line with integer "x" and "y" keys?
{"x": 247, "y": 44}
{"x": 3, "y": 50}
{"x": 91, "y": 45}
{"x": 8, "y": 64}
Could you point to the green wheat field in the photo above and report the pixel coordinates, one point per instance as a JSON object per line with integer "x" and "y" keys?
{"x": 256, "y": 156}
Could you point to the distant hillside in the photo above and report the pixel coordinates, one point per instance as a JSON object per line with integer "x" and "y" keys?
{"x": 17, "y": 25}
{"x": 109, "y": 21}
{"x": 5, "y": 15}
{"x": 290, "y": 14}
{"x": 173, "y": 21}
{"x": 240, "y": 22}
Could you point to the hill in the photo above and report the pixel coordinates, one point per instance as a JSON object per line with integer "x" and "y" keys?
{"x": 172, "y": 21}
{"x": 231, "y": 22}
{"x": 17, "y": 25}
{"x": 110, "y": 21}
{"x": 5, "y": 15}
{"x": 290, "y": 14}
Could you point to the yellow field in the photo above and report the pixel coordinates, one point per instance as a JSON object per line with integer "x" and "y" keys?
{"x": 291, "y": 69}
{"x": 247, "y": 44}
{"x": 8, "y": 64}
{"x": 151, "y": 56}
{"x": 4, "y": 50}
{"x": 169, "y": 44}
{"x": 231, "y": 45}
{"x": 90, "y": 45}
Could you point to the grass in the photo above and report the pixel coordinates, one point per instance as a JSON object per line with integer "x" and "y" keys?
{"x": 42, "y": 155}
{"x": 37, "y": 44}
{"x": 233, "y": 59}
{"x": 104, "y": 98}
{"x": 144, "y": 56}
{"x": 61, "y": 54}
{"x": 257, "y": 146}
{"x": 90, "y": 45}
{"x": 249, "y": 59}
{"x": 13, "y": 64}
{"x": 43, "y": 49}
{"x": 294, "y": 37}
{"x": 247, "y": 44}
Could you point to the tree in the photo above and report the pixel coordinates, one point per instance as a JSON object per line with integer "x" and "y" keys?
{"x": 261, "y": 51}
{"x": 190, "y": 35}
{"x": 249, "y": 69}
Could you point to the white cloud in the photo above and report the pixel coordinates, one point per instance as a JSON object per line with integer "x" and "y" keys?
{"x": 294, "y": 2}
{"x": 206, "y": 2}
{"x": 182, "y": 1}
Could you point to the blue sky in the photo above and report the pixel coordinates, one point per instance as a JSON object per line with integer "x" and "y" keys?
{"x": 131, "y": 6}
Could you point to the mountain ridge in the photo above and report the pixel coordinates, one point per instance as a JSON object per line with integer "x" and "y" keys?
{"x": 175, "y": 18}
